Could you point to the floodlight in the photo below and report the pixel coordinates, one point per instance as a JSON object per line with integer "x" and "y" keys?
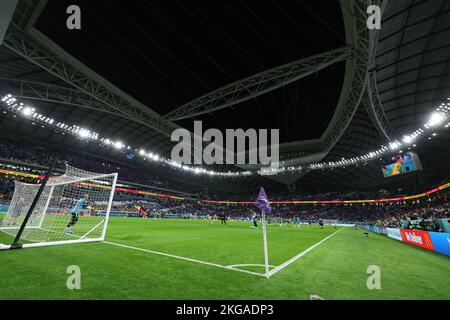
{"x": 408, "y": 139}
{"x": 394, "y": 145}
{"x": 84, "y": 133}
{"x": 435, "y": 119}
{"x": 27, "y": 111}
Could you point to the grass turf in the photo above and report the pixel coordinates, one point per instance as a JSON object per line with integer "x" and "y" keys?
{"x": 336, "y": 269}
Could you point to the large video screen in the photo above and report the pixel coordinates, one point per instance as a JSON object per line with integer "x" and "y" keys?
{"x": 400, "y": 164}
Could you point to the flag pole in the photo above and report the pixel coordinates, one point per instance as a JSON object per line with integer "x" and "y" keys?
{"x": 266, "y": 253}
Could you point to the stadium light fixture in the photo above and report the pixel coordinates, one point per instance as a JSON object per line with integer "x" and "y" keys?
{"x": 394, "y": 145}
{"x": 436, "y": 118}
{"x": 439, "y": 116}
{"x": 84, "y": 133}
{"x": 118, "y": 145}
{"x": 408, "y": 139}
{"x": 27, "y": 111}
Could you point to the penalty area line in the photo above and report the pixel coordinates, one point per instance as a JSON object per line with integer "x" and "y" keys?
{"x": 301, "y": 254}
{"x": 184, "y": 258}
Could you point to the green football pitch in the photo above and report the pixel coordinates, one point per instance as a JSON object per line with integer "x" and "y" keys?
{"x": 184, "y": 259}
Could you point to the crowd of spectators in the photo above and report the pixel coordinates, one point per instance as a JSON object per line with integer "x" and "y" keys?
{"x": 423, "y": 215}
{"x": 32, "y": 154}
{"x": 6, "y": 188}
{"x": 418, "y": 214}
{"x": 39, "y": 156}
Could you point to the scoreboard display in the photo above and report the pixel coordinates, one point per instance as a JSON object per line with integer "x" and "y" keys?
{"x": 400, "y": 164}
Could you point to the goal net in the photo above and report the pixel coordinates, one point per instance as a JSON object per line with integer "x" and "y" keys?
{"x": 72, "y": 208}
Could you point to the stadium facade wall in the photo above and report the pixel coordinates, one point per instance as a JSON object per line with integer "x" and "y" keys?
{"x": 434, "y": 241}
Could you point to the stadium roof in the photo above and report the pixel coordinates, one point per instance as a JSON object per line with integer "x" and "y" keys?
{"x": 412, "y": 79}
{"x": 136, "y": 71}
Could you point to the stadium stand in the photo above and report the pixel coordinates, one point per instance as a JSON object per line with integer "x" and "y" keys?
{"x": 421, "y": 214}
{"x": 157, "y": 130}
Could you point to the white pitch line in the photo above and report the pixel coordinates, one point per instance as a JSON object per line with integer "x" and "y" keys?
{"x": 301, "y": 254}
{"x": 65, "y": 234}
{"x": 184, "y": 258}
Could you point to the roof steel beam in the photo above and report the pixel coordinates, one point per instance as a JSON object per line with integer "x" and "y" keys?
{"x": 33, "y": 90}
{"x": 375, "y": 110}
{"x": 372, "y": 101}
{"x": 359, "y": 36}
{"x": 105, "y": 96}
{"x": 258, "y": 84}
{"x": 7, "y": 9}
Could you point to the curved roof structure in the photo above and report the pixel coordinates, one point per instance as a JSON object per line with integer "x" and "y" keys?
{"x": 334, "y": 88}
{"x": 410, "y": 74}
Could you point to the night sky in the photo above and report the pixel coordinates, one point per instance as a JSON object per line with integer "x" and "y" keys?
{"x": 166, "y": 53}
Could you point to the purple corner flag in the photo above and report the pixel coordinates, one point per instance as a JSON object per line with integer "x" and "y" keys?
{"x": 262, "y": 202}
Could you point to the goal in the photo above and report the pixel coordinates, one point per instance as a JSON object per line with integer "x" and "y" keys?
{"x": 73, "y": 208}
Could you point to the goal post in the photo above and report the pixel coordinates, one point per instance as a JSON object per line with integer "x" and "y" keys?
{"x": 72, "y": 208}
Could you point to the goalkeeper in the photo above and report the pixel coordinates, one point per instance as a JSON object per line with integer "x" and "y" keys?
{"x": 75, "y": 213}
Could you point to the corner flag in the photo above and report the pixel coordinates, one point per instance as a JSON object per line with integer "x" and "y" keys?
{"x": 262, "y": 202}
